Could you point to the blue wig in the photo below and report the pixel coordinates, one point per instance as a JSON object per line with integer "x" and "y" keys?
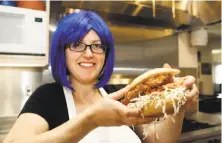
{"x": 71, "y": 29}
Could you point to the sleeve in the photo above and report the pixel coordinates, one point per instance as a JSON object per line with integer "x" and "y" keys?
{"x": 38, "y": 103}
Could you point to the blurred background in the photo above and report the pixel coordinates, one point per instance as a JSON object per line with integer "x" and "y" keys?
{"x": 185, "y": 34}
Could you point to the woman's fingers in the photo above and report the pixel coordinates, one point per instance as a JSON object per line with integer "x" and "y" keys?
{"x": 166, "y": 65}
{"x": 138, "y": 121}
{"x": 131, "y": 112}
{"x": 119, "y": 94}
{"x": 133, "y": 116}
{"x": 189, "y": 81}
{"x": 127, "y": 112}
{"x": 193, "y": 93}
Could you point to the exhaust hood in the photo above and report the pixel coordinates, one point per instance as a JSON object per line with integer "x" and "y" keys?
{"x": 167, "y": 14}
{"x": 147, "y": 20}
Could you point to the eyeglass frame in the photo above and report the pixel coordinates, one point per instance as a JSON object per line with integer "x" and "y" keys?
{"x": 90, "y": 47}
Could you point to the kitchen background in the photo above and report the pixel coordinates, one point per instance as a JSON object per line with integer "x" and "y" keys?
{"x": 185, "y": 34}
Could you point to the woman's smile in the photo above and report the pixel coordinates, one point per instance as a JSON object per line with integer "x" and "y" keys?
{"x": 87, "y": 65}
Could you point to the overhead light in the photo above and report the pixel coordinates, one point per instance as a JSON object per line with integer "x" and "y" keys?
{"x": 71, "y": 10}
{"x": 52, "y": 28}
{"x": 77, "y": 10}
{"x": 173, "y": 8}
{"x": 216, "y": 51}
{"x": 154, "y": 8}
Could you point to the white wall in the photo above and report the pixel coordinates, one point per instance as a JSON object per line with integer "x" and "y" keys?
{"x": 216, "y": 58}
{"x": 187, "y": 53}
{"x": 207, "y": 87}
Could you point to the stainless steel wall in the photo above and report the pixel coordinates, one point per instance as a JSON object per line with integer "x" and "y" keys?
{"x": 16, "y": 86}
{"x": 148, "y": 54}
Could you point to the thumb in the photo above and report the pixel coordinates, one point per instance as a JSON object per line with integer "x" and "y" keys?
{"x": 120, "y": 93}
{"x": 189, "y": 81}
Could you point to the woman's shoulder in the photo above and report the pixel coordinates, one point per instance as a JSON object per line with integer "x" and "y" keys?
{"x": 48, "y": 101}
{"x": 47, "y": 91}
{"x": 49, "y": 88}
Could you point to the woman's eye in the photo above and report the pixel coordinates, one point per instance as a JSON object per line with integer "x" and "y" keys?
{"x": 80, "y": 45}
{"x": 96, "y": 46}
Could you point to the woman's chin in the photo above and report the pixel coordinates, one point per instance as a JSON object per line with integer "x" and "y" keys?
{"x": 85, "y": 79}
{"x": 88, "y": 80}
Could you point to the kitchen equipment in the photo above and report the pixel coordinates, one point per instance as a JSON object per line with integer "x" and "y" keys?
{"x": 36, "y": 5}
{"x": 23, "y": 31}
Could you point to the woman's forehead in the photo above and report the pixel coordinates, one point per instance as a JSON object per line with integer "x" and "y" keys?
{"x": 91, "y": 36}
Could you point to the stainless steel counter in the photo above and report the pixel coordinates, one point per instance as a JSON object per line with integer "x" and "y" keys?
{"x": 203, "y": 128}
{"x": 202, "y": 136}
{"x": 6, "y": 123}
{"x": 209, "y": 118}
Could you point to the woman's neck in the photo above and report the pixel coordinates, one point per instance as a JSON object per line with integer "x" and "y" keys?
{"x": 84, "y": 91}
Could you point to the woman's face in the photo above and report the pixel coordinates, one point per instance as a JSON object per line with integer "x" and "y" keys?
{"x": 85, "y": 66}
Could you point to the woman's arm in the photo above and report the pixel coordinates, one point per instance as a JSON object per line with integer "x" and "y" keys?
{"x": 167, "y": 131}
{"x": 31, "y": 128}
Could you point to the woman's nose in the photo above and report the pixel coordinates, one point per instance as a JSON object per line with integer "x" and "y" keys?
{"x": 88, "y": 52}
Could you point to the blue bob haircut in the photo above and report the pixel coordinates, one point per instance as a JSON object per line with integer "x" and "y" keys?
{"x": 71, "y": 29}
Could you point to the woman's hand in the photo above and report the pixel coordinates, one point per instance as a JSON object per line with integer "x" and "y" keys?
{"x": 109, "y": 112}
{"x": 189, "y": 82}
{"x": 192, "y": 98}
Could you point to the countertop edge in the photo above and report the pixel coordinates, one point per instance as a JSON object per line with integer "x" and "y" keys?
{"x": 200, "y": 134}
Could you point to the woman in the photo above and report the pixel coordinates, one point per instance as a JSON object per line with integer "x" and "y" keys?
{"x": 76, "y": 107}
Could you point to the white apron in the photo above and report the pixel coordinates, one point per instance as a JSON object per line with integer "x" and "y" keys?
{"x": 121, "y": 134}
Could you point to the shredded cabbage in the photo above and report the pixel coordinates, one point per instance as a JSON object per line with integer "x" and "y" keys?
{"x": 172, "y": 94}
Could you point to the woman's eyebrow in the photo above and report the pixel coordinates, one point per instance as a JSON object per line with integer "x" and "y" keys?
{"x": 96, "y": 41}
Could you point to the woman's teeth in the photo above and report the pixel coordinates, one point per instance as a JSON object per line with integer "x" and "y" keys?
{"x": 86, "y": 64}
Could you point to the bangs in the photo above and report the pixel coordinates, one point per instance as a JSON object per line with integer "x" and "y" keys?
{"x": 81, "y": 26}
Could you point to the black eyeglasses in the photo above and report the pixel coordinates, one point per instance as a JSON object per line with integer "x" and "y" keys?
{"x": 95, "y": 48}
